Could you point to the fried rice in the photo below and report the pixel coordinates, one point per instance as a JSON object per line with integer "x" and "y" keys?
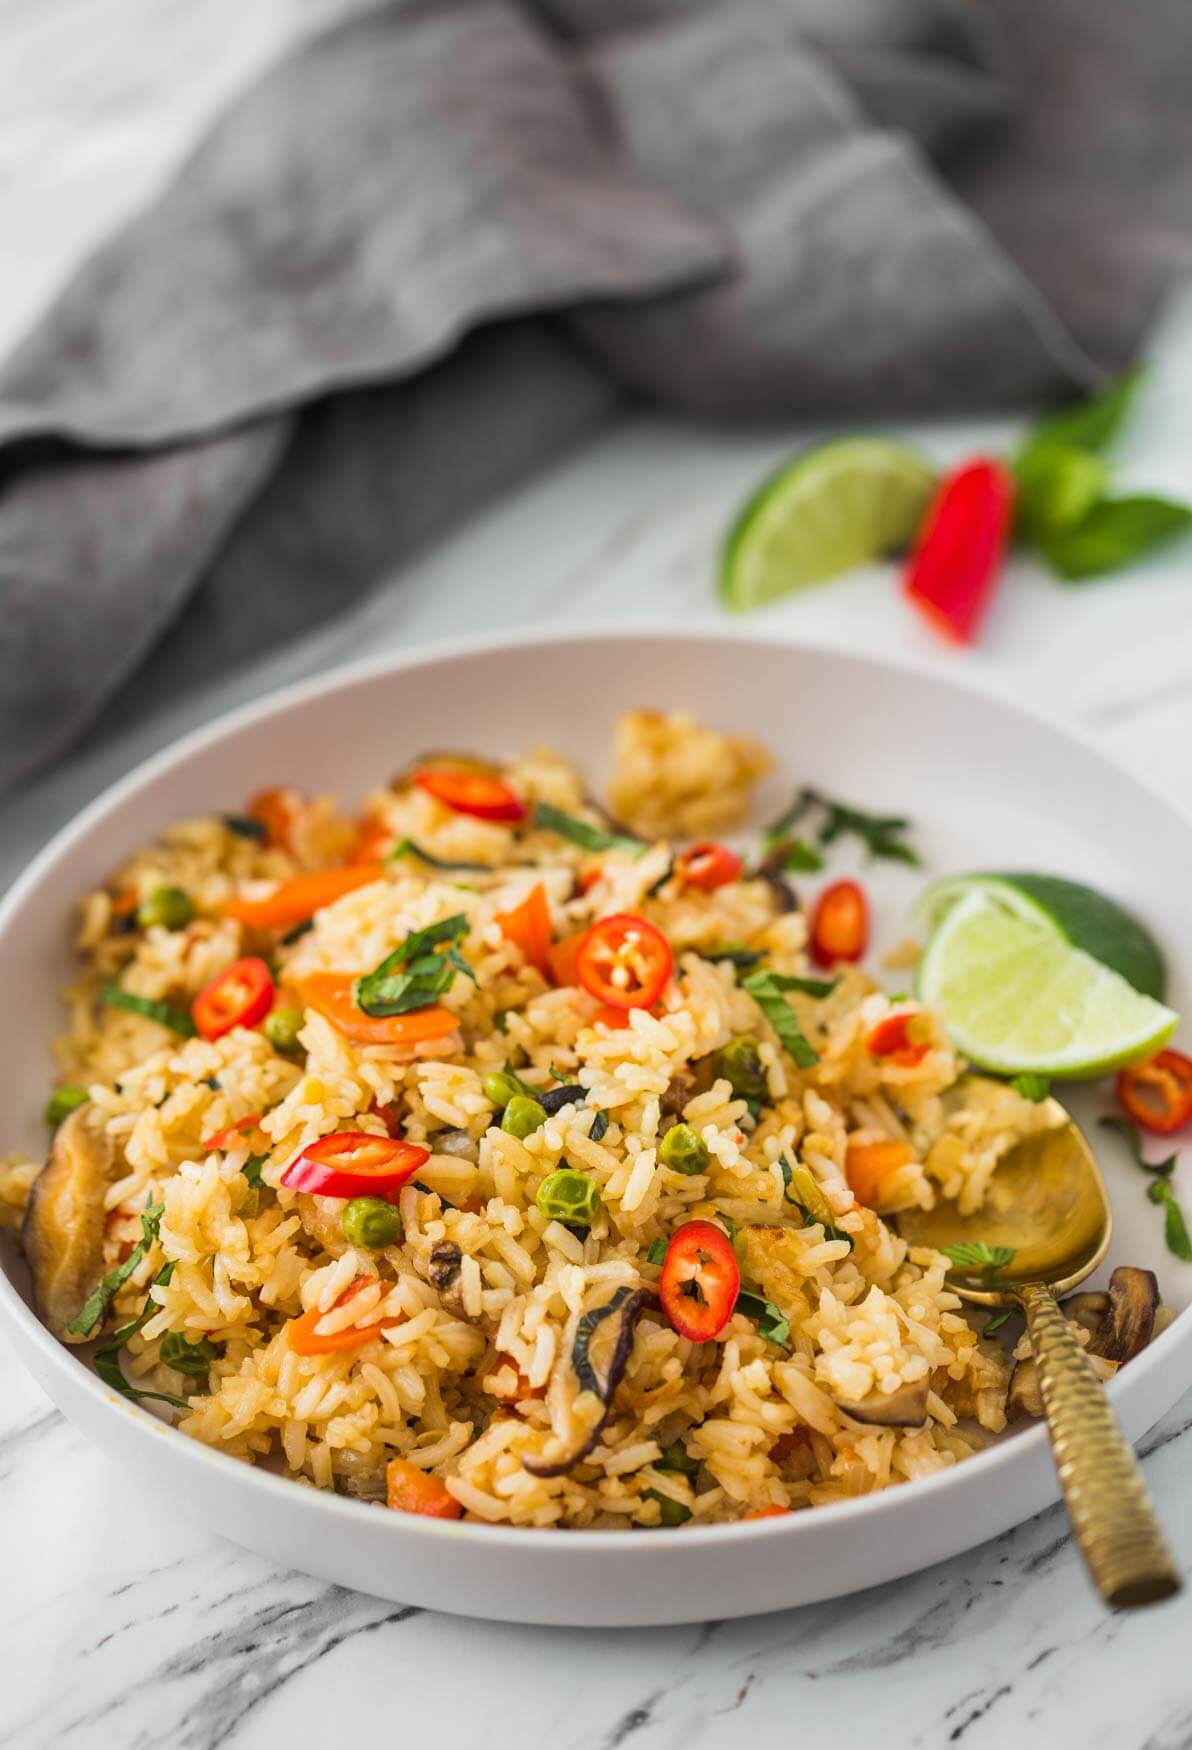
{"x": 469, "y": 1374}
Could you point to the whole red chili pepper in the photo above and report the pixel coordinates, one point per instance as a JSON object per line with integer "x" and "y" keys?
{"x": 955, "y": 565}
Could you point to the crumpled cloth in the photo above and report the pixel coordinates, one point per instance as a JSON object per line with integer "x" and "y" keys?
{"x": 445, "y": 239}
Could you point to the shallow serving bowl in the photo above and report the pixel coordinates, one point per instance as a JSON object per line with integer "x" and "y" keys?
{"x": 987, "y": 786}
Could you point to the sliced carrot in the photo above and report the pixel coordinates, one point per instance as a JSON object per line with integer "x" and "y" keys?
{"x": 304, "y": 1339}
{"x": 330, "y": 993}
{"x": 561, "y": 958}
{"x": 528, "y": 927}
{"x": 410, "y": 1490}
{"x": 768, "y": 1513}
{"x": 292, "y": 902}
{"x": 866, "y": 1164}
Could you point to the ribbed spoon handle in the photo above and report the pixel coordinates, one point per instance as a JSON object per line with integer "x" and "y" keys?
{"x": 1108, "y": 1504}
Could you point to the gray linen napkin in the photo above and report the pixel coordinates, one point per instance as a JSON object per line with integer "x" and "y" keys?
{"x": 445, "y": 239}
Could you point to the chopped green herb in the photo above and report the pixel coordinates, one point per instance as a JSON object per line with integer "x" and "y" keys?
{"x": 98, "y": 1301}
{"x": 1032, "y": 1086}
{"x": 599, "y": 1126}
{"x": 770, "y": 1322}
{"x": 656, "y": 1254}
{"x": 1175, "y": 1229}
{"x": 107, "y": 1359}
{"x": 64, "y": 1101}
{"x": 993, "y": 1325}
{"x": 676, "y": 1457}
{"x": 766, "y": 989}
{"x": 247, "y": 826}
{"x": 795, "y": 857}
{"x": 883, "y": 835}
{"x": 808, "y": 987}
{"x": 670, "y": 1511}
{"x": 407, "y": 848}
{"x": 188, "y": 1357}
{"x": 976, "y": 1255}
{"x": 177, "y": 1020}
{"x": 547, "y": 818}
{"x": 252, "y": 1171}
{"x": 734, "y": 953}
{"x": 415, "y": 974}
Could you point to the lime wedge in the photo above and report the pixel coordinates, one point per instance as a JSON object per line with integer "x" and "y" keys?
{"x": 1085, "y": 918}
{"x": 1018, "y": 996}
{"x": 833, "y": 507}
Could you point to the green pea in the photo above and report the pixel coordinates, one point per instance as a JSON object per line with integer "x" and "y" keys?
{"x": 179, "y": 1352}
{"x": 677, "y": 1458}
{"x": 501, "y": 1087}
{"x": 669, "y": 1512}
{"x": 62, "y": 1102}
{"x": 171, "y": 907}
{"x": 522, "y": 1115}
{"x": 739, "y": 1062}
{"x": 683, "y": 1150}
{"x": 371, "y": 1222}
{"x": 281, "y": 1029}
{"x": 570, "y": 1196}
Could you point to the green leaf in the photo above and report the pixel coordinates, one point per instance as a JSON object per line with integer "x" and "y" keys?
{"x": 407, "y": 848}
{"x": 734, "y": 953}
{"x": 993, "y": 1325}
{"x": 976, "y": 1255}
{"x": 795, "y": 857}
{"x": 1057, "y": 487}
{"x": 1175, "y": 1229}
{"x": 883, "y": 835}
{"x": 1114, "y": 532}
{"x": 177, "y": 1020}
{"x": 656, "y": 1253}
{"x": 100, "y": 1299}
{"x": 809, "y": 987}
{"x": 179, "y": 1352}
{"x": 107, "y": 1359}
{"x": 766, "y": 989}
{"x": 414, "y": 974}
{"x": 770, "y": 1322}
{"x": 547, "y": 818}
{"x": 1130, "y": 1136}
{"x": 676, "y": 1457}
{"x": 252, "y": 1171}
{"x": 1032, "y": 1086}
{"x": 1089, "y": 424}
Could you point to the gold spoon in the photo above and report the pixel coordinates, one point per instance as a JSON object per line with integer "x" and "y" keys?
{"x": 1048, "y": 1204}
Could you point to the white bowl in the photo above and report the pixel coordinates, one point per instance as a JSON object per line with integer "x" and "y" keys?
{"x": 987, "y": 786}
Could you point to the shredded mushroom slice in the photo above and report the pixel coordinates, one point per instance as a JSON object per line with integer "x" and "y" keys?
{"x": 610, "y": 1326}
{"x": 904, "y": 1408}
{"x": 64, "y": 1224}
{"x": 1120, "y": 1325}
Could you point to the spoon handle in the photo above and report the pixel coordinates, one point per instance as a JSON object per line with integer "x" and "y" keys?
{"x": 1108, "y": 1504}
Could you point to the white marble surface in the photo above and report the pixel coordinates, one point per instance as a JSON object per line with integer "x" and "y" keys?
{"x": 125, "y": 1625}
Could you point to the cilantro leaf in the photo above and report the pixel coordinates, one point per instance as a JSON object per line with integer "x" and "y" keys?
{"x": 976, "y": 1255}
{"x": 548, "y": 818}
{"x": 101, "y": 1297}
{"x": 766, "y": 989}
{"x": 414, "y": 974}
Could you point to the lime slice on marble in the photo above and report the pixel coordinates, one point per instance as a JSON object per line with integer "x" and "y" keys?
{"x": 833, "y": 507}
{"x": 1018, "y": 995}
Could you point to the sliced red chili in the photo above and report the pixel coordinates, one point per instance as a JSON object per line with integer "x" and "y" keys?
{"x": 354, "y": 1163}
{"x": 232, "y": 1133}
{"x": 956, "y": 562}
{"x": 700, "y": 1281}
{"x": 471, "y": 793}
{"x": 240, "y": 996}
{"x": 839, "y": 924}
{"x": 708, "y": 865}
{"x": 624, "y": 961}
{"x": 893, "y": 1040}
{"x": 1157, "y": 1094}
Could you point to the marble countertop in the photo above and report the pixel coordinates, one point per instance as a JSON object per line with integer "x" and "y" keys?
{"x": 123, "y": 1623}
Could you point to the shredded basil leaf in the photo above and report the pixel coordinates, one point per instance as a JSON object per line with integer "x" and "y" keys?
{"x": 297, "y": 933}
{"x": 735, "y": 954}
{"x": 794, "y": 857}
{"x": 547, "y": 818}
{"x": 407, "y": 848}
{"x": 415, "y": 974}
{"x": 1129, "y": 1134}
{"x": 769, "y": 1320}
{"x": 177, "y": 1020}
{"x": 657, "y": 1252}
{"x": 107, "y": 1359}
{"x": 766, "y": 989}
{"x": 1175, "y": 1228}
{"x": 976, "y": 1255}
{"x": 808, "y": 987}
{"x": 247, "y": 826}
{"x": 101, "y": 1297}
{"x": 252, "y": 1171}
{"x": 881, "y": 834}
{"x": 192, "y": 1358}
{"x": 995, "y": 1324}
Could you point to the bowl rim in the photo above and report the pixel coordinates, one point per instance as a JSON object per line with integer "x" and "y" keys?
{"x": 308, "y": 691}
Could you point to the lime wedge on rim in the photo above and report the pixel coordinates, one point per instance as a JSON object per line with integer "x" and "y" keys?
{"x": 833, "y": 507}
{"x": 1017, "y": 993}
